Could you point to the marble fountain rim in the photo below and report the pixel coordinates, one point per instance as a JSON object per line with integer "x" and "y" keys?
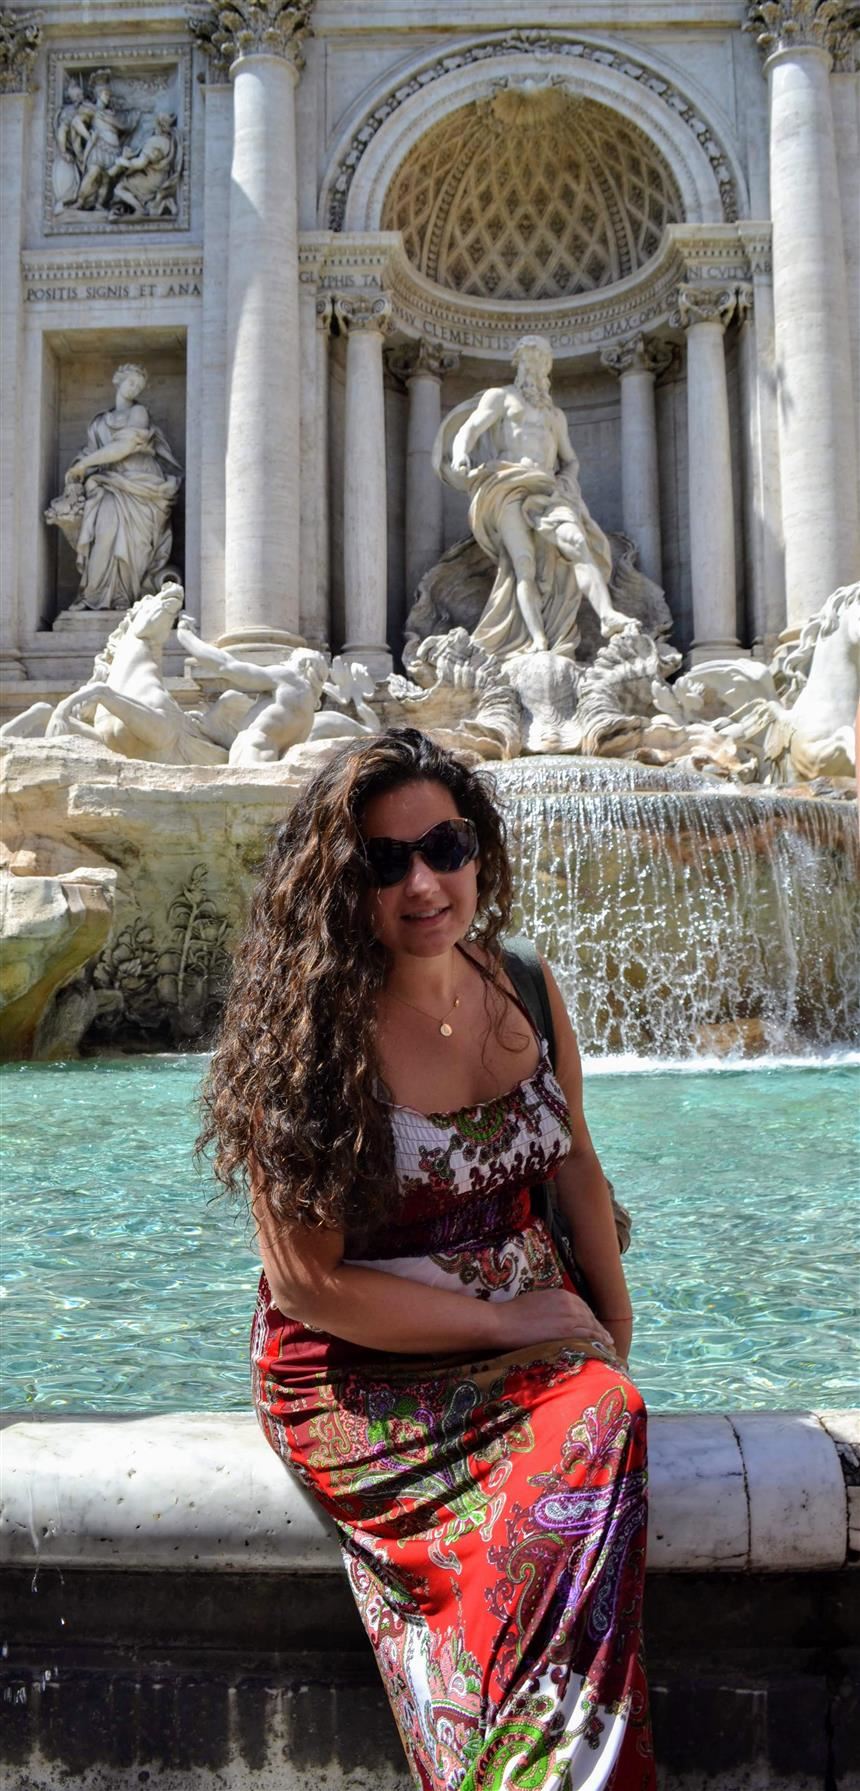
{"x": 734, "y": 1491}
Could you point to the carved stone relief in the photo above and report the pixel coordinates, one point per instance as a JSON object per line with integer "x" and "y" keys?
{"x": 20, "y": 36}
{"x": 117, "y": 145}
{"x": 167, "y": 981}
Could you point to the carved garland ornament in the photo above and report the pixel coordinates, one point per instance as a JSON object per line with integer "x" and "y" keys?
{"x": 20, "y": 36}
{"x": 232, "y": 29}
{"x": 536, "y": 43}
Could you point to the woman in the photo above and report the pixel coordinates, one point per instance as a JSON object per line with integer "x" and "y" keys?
{"x": 419, "y": 1358}
{"x": 130, "y": 483}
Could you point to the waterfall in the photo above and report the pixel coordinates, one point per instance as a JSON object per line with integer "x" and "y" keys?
{"x": 670, "y": 907}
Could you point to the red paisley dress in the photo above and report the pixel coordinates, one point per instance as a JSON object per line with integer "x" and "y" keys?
{"x": 492, "y": 1513}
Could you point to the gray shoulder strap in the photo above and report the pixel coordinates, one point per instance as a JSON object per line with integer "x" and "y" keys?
{"x": 523, "y": 966}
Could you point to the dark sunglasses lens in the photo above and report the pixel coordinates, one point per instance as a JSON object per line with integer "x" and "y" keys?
{"x": 387, "y": 860}
{"x": 450, "y": 845}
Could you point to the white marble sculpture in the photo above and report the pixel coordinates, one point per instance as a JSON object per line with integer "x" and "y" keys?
{"x": 251, "y": 714}
{"x": 283, "y": 699}
{"x": 527, "y": 512}
{"x": 108, "y": 126}
{"x": 117, "y": 500}
{"x": 126, "y": 705}
{"x": 111, "y": 158}
{"x": 797, "y": 714}
{"x": 145, "y": 184}
{"x": 71, "y": 139}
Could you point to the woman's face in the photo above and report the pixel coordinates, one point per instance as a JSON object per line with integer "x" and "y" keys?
{"x": 130, "y": 386}
{"x": 428, "y": 912}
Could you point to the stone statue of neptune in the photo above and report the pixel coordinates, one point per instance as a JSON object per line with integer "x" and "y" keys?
{"x": 527, "y": 512}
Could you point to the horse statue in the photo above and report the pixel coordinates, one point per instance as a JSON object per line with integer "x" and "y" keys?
{"x": 797, "y": 714}
{"x": 126, "y": 705}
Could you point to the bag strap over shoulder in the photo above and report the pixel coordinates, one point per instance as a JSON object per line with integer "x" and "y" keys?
{"x": 523, "y": 966}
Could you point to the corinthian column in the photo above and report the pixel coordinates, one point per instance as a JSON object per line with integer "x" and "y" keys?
{"x": 422, "y": 367}
{"x": 20, "y": 33}
{"x": 365, "y": 318}
{"x": 637, "y": 363}
{"x": 261, "y": 41}
{"x": 818, "y": 459}
{"x": 217, "y": 155}
{"x": 704, "y": 313}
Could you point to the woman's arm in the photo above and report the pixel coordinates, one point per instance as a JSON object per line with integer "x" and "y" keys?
{"x": 583, "y": 1193}
{"x": 134, "y": 440}
{"x": 309, "y": 1281}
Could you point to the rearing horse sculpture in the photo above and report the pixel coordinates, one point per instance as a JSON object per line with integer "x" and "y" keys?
{"x": 132, "y": 711}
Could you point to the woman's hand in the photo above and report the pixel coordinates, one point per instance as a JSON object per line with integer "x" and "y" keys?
{"x": 547, "y": 1313}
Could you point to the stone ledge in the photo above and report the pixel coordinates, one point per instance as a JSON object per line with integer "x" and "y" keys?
{"x": 750, "y": 1492}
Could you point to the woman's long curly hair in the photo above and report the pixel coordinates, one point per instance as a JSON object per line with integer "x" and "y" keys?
{"x": 291, "y": 1083}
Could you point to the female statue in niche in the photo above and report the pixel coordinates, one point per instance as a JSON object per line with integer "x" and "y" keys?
{"x": 116, "y": 503}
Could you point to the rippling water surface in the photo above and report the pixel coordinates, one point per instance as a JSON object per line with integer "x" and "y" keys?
{"x": 128, "y": 1287}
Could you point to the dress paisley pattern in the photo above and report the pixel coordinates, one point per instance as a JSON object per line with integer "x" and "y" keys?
{"x": 492, "y": 1514}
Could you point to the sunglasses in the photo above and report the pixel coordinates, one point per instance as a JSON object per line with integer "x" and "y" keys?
{"x": 446, "y": 847}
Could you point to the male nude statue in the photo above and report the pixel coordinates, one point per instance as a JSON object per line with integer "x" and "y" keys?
{"x": 528, "y": 513}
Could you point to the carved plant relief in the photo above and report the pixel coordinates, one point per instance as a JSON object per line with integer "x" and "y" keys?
{"x": 117, "y": 150}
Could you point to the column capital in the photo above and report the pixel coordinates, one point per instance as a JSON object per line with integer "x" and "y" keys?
{"x": 828, "y": 25}
{"x": 411, "y": 360}
{"x": 20, "y": 37}
{"x": 639, "y": 354}
{"x": 324, "y": 312}
{"x": 704, "y": 304}
{"x": 746, "y": 300}
{"x": 359, "y": 312}
{"x": 230, "y": 30}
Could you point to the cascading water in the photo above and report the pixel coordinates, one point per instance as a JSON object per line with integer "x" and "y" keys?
{"x": 671, "y": 907}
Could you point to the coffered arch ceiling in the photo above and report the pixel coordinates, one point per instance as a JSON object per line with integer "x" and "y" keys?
{"x": 533, "y": 193}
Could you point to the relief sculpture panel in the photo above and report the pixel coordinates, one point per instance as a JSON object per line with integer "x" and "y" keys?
{"x": 117, "y": 150}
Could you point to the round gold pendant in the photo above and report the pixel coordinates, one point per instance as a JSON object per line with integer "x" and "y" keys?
{"x": 446, "y": 1030}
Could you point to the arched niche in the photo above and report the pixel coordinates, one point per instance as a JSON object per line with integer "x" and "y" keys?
{"x": 387, "y": 128}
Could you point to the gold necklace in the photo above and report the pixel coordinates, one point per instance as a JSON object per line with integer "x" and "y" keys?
{"x": 442, "y": 1024}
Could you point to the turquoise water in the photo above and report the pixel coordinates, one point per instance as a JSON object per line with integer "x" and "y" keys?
{"x": 127, "y": 1287}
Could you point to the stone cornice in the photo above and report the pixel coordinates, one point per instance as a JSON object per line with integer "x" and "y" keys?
{"x": 230, "y": 30}
{"x": 643, "y": 304}
{"x": 88, "y": 276}
{"x": 829, "y": 25}
{"x": 20, "y": 36}
{"x": 534, "y": 43}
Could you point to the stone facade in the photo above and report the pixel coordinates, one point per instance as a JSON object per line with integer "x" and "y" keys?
{"x": 319, "y": 226}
